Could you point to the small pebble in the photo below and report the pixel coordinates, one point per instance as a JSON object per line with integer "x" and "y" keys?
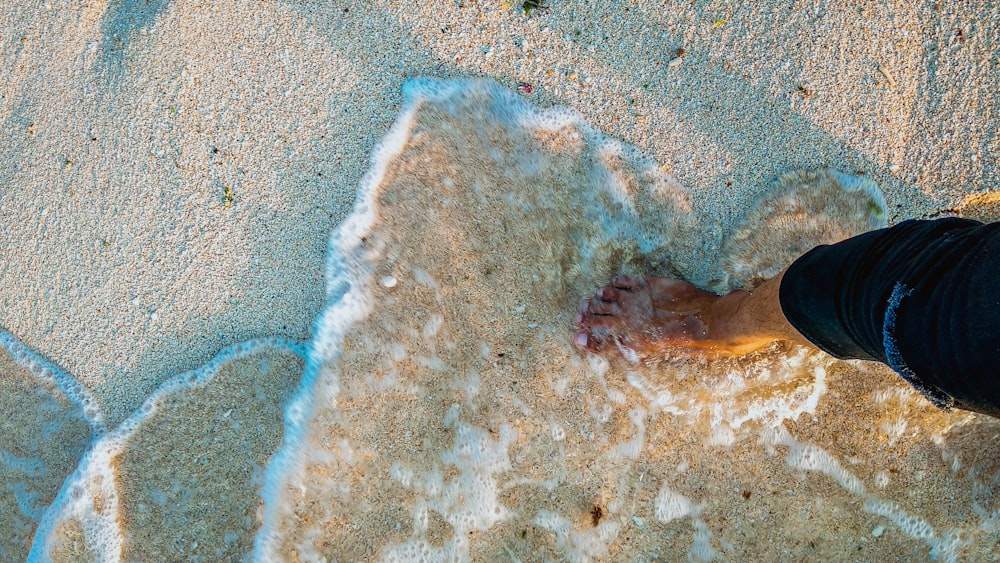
{"x": 675, "y": 62}
{"x": 878, "y": 531}
{"x": 388, "y": 281}
{"x": 889, "y": 78}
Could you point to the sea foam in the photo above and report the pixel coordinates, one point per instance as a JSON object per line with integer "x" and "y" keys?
{"x": 49, "y": 420}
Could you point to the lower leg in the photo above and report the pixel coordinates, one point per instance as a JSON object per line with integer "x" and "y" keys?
{"x": 750, "y": 320}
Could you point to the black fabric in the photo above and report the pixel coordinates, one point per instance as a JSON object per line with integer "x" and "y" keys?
{"x": 922, "y": 297}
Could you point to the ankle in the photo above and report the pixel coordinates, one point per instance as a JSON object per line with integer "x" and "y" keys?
{"x": 725, "y": 317}
{"x": 737, "y": 325}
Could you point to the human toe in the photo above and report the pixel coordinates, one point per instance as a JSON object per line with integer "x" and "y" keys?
{"x": 588, "y": 341}
{"x": 599, "y": 307}
{"x": 587, "y": 320}
{"x": 608, "y": 294}
{"x": 626, "y": 282}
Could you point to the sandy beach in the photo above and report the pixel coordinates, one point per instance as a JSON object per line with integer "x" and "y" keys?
{"x": 126, "y": 123}
{"x": 171, "y": 172}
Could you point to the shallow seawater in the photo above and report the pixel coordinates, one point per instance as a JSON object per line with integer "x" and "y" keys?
{"x": 445, "y": 414}
{"x": 46, "y": 427}
{"x": 181, "y": 477}
{"x": 441, "y": 412}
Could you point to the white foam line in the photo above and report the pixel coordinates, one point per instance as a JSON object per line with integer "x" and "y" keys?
{"x": 348, "y": 275}
{"x": 102, "y": 528}
{"x": 851, "y": 183}
{"x": 809, "y": 457}
{"x": 528, "y": 116}
{"x": 47, "y": 371}
{"x": 776, "y": 410}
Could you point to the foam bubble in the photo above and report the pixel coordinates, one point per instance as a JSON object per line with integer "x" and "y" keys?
{"x": 633, "y": 447}
{"x": 701, "y": 547}
{"x": 909, "y": 524}
{"x": 578, "y": 544}
{"x": 670, "y": 506}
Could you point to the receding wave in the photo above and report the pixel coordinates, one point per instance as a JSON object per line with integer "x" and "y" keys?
{"x": 445, "y": 414}
{"x": 180, "y": 478}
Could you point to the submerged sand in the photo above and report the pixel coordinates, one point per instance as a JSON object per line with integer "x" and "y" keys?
{"x": 44, "y": 432}
{"x": 180, "y": 478}
{"x": 455, "y": 420}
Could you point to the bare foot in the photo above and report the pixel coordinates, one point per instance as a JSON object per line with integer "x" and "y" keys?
{"x": 646, "y": 316}
{"x": 643, "y": 315}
